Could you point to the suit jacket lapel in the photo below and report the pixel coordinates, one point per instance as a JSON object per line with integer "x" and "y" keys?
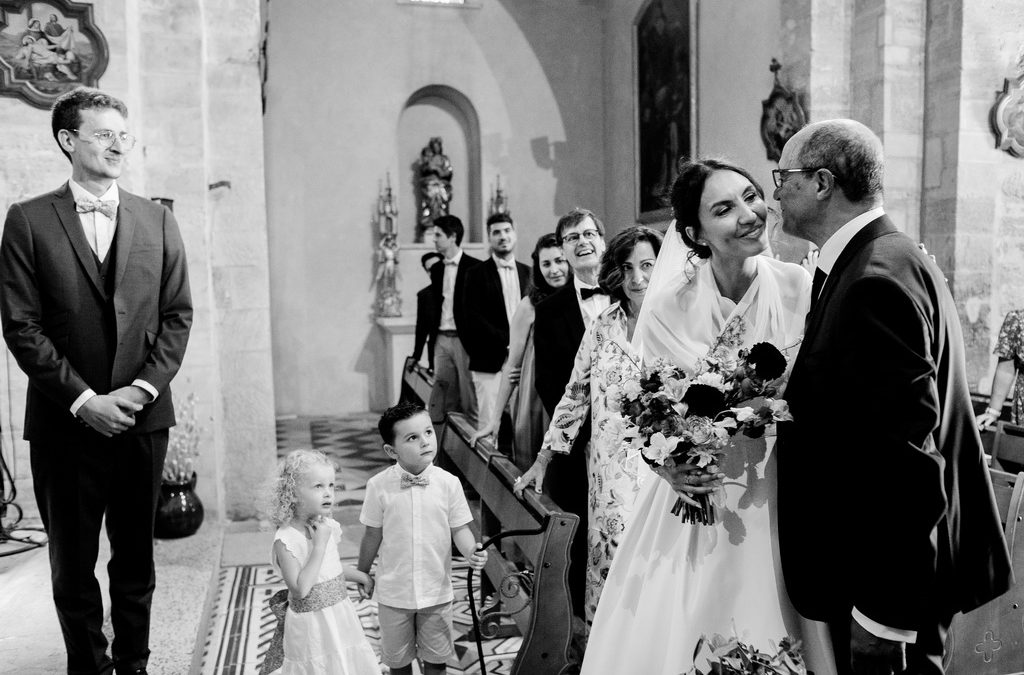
{"x": 64, "y": 204}
{"x": 873, "y": 230}
{"x": 524, "y": 278}
{"x": 123, "y": 236}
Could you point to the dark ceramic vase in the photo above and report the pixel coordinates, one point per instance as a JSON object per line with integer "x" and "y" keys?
{"x": 179, "y": 513}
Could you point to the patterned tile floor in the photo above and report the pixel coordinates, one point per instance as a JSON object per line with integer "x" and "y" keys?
{"x": 241, "y": 623}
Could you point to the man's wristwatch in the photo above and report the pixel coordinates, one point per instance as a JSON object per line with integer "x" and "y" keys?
{"x": 993, "y": 412}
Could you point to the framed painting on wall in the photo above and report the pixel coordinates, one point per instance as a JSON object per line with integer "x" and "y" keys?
{"x": 665, "y": 77}
{"x": 47, "y": 48}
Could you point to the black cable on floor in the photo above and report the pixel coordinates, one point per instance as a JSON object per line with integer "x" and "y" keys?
{"x": 7, "y": 531}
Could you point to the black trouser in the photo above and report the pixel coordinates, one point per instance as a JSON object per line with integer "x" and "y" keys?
{"x": 924, "y": 657}
{"x": 76, "y": 484}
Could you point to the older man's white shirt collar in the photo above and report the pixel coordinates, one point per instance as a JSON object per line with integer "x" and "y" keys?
{"x": 833, "y": 248}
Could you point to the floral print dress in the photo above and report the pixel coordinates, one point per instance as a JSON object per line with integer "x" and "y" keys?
{"x": 1011, "y": 346}
{"x": 603, "y": 363}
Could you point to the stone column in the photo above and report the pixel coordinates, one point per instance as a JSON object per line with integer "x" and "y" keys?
{"x": 974, "y": 194}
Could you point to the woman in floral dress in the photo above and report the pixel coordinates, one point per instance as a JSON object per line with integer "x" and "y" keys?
{"x": 604, "y": 361}
{"x": 1010, "y": 351}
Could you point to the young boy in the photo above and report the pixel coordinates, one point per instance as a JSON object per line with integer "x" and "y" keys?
{"x": 412, "y": 512}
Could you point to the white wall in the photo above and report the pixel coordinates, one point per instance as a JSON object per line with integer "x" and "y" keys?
{"x": 339, "y": 76}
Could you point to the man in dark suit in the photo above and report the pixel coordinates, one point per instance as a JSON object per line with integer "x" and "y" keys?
{"x": 453, "y": 386}
{"x": 561, "y": 320}
{"x": 493, "y": 291}
{"x": 426, "y": 326}
{"x": 95, "y": 303}
{"x": 887, "y": 520}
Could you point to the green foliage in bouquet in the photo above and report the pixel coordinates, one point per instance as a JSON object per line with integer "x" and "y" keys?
{"x": 183, "y": 445}
{"x": 719, "y": 655}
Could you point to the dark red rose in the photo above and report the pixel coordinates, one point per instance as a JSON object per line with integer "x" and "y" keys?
{"x": 767, "y": 361}
{"x": 704, "y": 400}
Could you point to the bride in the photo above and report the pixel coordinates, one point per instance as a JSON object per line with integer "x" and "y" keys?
{"x": 671, "y": 582}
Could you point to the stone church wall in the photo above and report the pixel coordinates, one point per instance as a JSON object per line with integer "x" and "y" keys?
{"x": 188, "y": 73}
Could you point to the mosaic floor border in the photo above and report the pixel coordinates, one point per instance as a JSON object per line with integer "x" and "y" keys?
{"x": 242, "y": 625}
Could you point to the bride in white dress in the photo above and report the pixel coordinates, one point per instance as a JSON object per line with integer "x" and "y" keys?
{"x": 670, "y": 582}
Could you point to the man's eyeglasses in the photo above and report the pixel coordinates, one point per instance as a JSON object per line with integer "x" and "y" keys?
{"x": 777, "y": 174}
{"x": 106, "y": 138}
{"x": 588, "y": 235}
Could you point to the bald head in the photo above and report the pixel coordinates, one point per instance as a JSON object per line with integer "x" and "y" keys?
{"x": 848, "y": 149}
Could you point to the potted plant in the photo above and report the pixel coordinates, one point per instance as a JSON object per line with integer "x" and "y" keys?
{"x": 179, "y": 512}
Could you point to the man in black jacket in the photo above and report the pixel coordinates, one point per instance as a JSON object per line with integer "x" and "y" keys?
{"x": 493, "y": 291}
{"x": 453, "y": 387}
{"x": 426, "y": 326}
{"x": 561, "y": 320}
{"x": 887, "y": 521}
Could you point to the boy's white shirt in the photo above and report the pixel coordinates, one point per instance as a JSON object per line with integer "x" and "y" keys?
{"x": 414, "y": 568}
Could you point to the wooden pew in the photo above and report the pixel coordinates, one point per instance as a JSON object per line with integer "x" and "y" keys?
{"x": 416, "y": 383}
{"x": 989, "y": 640}
{"x": 539, "y": 603}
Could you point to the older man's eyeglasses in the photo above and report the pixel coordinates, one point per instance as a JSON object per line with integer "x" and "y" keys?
{"x": 106, "y": 138}
{"x": 588, "y": 235}
{"x": 777, "y": 174}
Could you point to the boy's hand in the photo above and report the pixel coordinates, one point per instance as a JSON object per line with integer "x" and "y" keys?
{"x": 479, "y": 558}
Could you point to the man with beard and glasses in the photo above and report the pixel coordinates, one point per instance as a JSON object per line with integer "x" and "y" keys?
{"x": 493, "y": 291}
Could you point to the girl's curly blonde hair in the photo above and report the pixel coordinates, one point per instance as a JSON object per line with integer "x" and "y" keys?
{"x": 289, "y": 471}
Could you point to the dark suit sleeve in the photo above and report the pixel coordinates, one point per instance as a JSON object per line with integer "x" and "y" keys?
{"x": 21, "y": 309}
{"x": 887, "y": 408}
{"x": 168, "y": 350}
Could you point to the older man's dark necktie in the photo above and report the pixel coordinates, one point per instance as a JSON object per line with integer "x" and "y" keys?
{"x": 586, "y": 293}
{"x": 819, "y": 281}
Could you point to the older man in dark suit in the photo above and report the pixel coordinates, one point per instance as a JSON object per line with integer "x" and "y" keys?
{"x": 95, "y": 303}
{"x": 887, "y": 521}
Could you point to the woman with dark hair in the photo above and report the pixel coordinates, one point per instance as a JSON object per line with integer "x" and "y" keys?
{"x": 605, "y": 361}
{"x": 550, "y": 272}
{"x": 671, "y": 582}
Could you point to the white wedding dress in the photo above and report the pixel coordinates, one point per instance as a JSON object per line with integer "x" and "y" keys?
{"x": 670, "y": 583}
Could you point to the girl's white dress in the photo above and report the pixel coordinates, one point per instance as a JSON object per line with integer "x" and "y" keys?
{"x": 328, "y": 640}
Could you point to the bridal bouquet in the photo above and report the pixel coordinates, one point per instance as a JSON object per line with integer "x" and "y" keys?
{"x": 673, "y": 416}
{"x": 729, "y": 656}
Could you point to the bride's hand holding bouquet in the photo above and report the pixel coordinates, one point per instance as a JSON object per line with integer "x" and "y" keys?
{"x": 681, "y": 424}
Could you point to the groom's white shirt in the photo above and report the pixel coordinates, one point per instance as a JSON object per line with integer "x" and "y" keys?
{"x": 827, "y": 257}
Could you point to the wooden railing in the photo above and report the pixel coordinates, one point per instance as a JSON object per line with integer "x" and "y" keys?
{"x": 538, "y": 600}
{"x": 535, "y": 599}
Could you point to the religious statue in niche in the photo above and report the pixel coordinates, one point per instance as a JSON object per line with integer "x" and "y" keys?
{"x": 781, "y": 116}
{"x": 434, "y": 181}
{"x": 389, "y": 302}
{"x": 47, "y": 48}
{"x": 1007, "y": 114}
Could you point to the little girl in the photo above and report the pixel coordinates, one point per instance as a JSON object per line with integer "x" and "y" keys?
{"x": 322, "y": 634}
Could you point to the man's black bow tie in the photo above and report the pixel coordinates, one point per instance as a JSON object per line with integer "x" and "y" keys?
{"x": 588, "y": 292}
